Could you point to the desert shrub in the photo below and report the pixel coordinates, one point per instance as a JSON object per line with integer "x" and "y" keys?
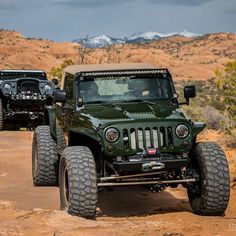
{"x": 56, "y": 72}
{"x": 194, "y": 113}
{"x": 226, "y": 83}
{"x": 231, "y": 143}
{"x": 228, "y": 125}
{"x": 217, "y": 103}
{"x": 212, "y": 117}
{"x": 83, "y": 53}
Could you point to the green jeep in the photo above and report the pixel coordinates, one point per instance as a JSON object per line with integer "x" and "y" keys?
{"x": 120, "y": 125}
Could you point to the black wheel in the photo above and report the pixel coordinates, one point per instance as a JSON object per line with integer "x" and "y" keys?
{"x": 78, "y": 182}
{"x": 44, "y": 158}
{"x": 1, "y": 115}
{"x": 210, "y": 194}
{"x": 61, "y": 141}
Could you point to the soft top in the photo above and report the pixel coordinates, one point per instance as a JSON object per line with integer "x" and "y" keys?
{"x": 74, "y": 69}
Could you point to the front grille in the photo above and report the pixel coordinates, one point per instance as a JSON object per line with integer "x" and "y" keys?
{"x": 142, "y": 138}
{"x": 28, "y": 87}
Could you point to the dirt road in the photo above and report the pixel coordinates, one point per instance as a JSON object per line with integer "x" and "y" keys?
{"x": 28, "y": 210}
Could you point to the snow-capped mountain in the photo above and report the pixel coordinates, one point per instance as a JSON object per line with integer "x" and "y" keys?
{"x": 99, "y": 41}
{"x": 140, "y": 37}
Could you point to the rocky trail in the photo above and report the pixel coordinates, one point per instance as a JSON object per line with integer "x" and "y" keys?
{"x": 29, "y": 210}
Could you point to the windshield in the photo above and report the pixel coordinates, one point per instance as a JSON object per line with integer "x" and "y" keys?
{"x": 128, "y": 88}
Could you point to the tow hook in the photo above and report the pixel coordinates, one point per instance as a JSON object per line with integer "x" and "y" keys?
{"x": 33, "y": 117}
{"x": 153, "y": 165}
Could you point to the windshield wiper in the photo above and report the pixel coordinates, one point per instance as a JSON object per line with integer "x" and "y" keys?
{"x": 99, "y": 102}
{"x": 94, "y": 102}
{"x": 140, "y": 100}
{"x": 111, "y": 104}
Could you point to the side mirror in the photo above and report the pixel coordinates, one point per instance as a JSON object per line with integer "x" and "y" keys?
{"x": 59, "y": 96}
{"x": 55, "y": 81}
{"x": 189, "y": 92}
{"x": 80, "y": 101}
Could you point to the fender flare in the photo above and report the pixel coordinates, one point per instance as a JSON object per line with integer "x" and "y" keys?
{"x": 198, "y": 127}
{"x": 50, "y": 119}
{"x": 85, "y": 137}
{"x": 84, "y": 132}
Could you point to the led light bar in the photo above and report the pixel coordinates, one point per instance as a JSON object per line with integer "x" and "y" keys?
{"x": 22, "y": 71}
{"x": 15, "y": 73}
{"x": 118, "y": 73}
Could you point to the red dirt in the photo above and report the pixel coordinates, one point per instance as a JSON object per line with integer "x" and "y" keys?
{"x": 28, "y": 210}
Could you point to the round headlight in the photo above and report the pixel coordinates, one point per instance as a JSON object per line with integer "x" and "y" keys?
{"x": 182, "y": 131}
{"x": 112, "y": 134}
{"x": 7, "y": 87}
{"x": 47, "y": 87}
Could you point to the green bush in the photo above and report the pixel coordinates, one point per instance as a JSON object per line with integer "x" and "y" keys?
{"x": 56, "y": 72}
{"x": 226, "y": 84}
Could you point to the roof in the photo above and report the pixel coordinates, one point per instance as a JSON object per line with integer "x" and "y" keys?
{"x": 73, "y": 69}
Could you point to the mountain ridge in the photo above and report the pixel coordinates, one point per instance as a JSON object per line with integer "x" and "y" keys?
{"x": 139, "y": 37}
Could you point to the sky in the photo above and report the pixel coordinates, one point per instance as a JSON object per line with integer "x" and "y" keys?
{"x": 65, "y": 20}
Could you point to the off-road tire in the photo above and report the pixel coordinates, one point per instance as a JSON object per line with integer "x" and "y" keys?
{"x": 78, "y": 182}
{"x": 61, "y": 141}
{"x": 44, "y": 158}
{"x": 210, "y": 195}
{"x": 1, "y": 115}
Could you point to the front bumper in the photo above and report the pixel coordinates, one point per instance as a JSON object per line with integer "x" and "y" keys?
{"x": 151, "y": 163}
{"x": 23, "y": 115}
{"x": 28, "y": 97}
{"x": 25, "y": 107}
{"x": 145, "y": 166}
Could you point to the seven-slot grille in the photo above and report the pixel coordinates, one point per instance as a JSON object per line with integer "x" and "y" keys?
{"x": 28, "y": 86}
{"x": 142, "y": 138}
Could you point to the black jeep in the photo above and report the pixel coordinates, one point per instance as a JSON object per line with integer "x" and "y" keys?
{"x": 23, "y": 95}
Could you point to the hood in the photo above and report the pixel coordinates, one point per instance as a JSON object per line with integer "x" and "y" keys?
{"x": 117, "y": 113}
